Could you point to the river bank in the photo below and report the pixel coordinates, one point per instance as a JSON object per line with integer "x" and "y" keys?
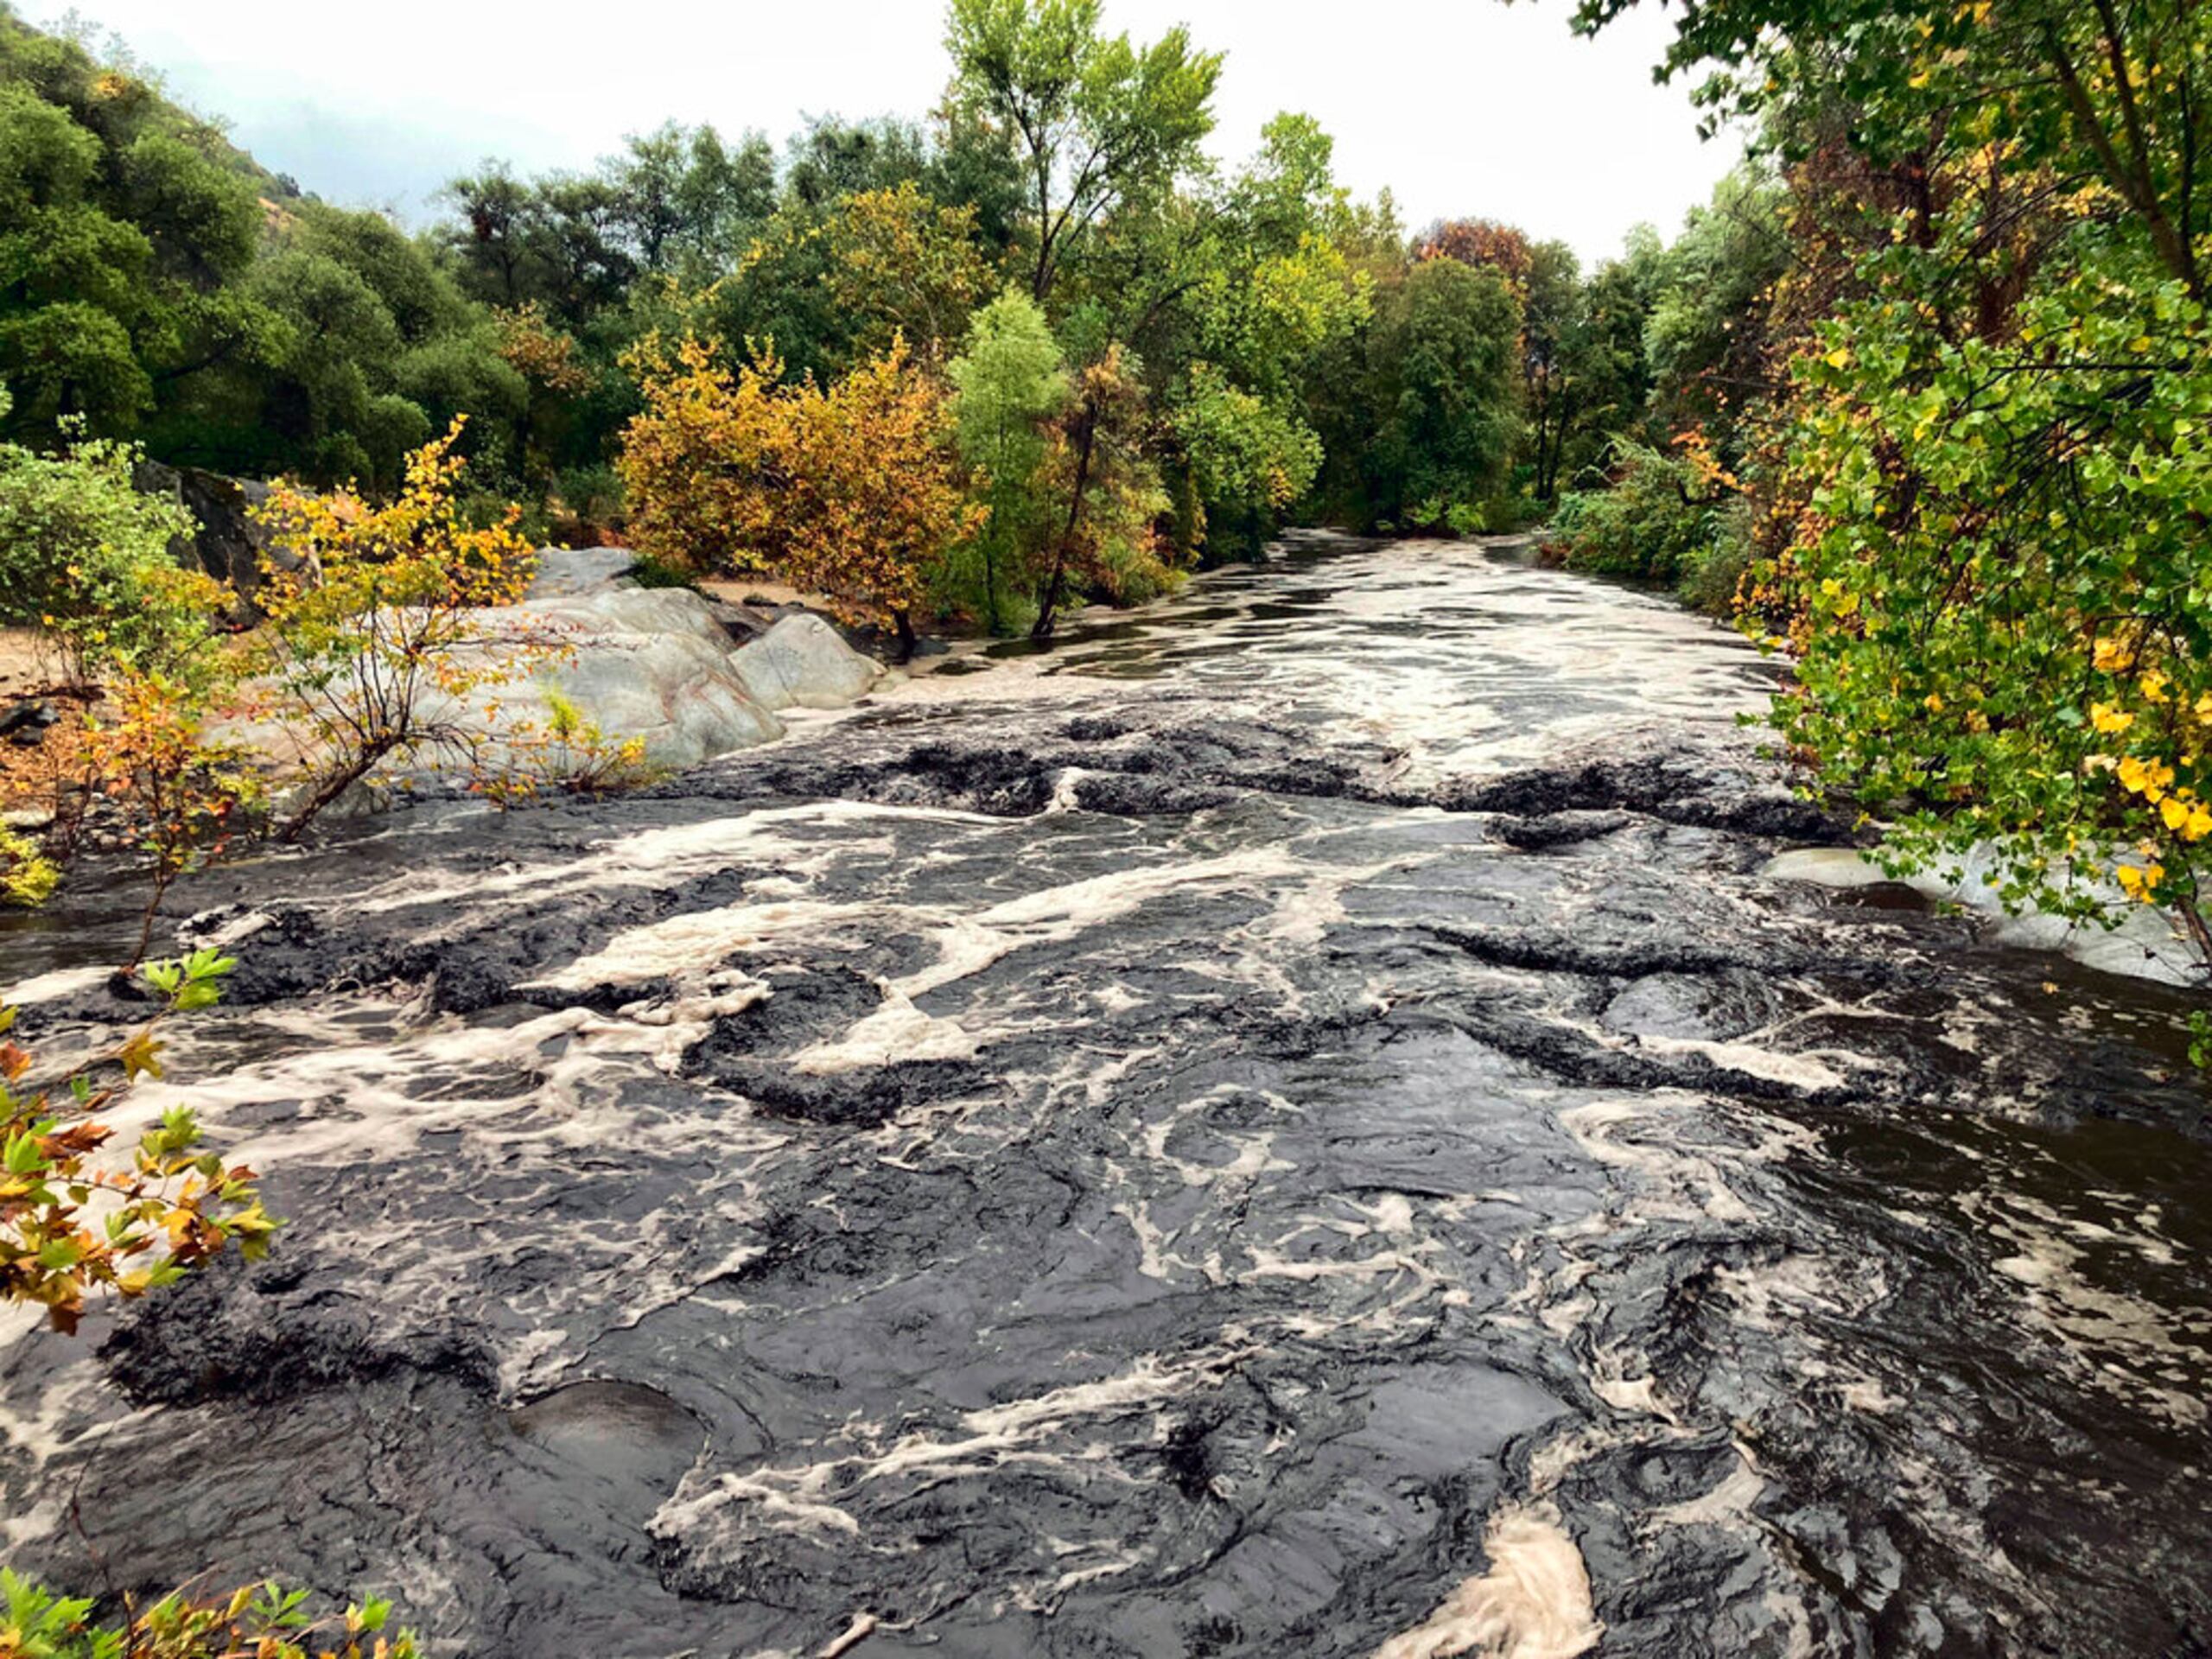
{"x": 1291, "y": 1122}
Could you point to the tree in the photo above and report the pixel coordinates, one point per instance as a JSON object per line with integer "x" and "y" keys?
{"x": 873, "y": 506}
{"x": 123, "y": 243}
{"x": 685, "y": 201}
{"x": 1108, "y": 493}
{"x": 1427, "y": 418}
{"x": 703, "y": 462}
{"x": 847, "y": 491}
{"x": 1705, "y": 338}
{"x": 905, "y": 267}
{"x": 1010, "y": 383}
{"x": 375, "y": 644}
{"x": 1097, "y": 122}
{"x": 1985, "y": 479}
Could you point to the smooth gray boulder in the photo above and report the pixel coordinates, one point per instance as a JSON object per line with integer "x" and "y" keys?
{"x": 650, "y": 662}
{"x": 579, "y": 617}
{"x": 570, "y": 572}
{"x": 804, "y": 663}
{"x": 655, "y": 663}
{"x": 674, "y": 691}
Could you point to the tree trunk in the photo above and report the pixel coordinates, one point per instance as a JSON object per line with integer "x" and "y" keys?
{"x": 329, "y": 790}
{"x": 1042, "y": 630}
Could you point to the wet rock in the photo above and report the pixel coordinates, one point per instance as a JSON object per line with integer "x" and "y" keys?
{"x": 574, "y": 572}
{"x": 230, "y": 1334}
{"x": 227, "y": 542}
{"x": 25, "y": 723}
{"x": 803, "y": 662}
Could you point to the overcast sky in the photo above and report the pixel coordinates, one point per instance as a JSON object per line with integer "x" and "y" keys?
{"x": 1460, "y": 107}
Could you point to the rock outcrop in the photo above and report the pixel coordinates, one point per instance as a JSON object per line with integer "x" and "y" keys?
{"x": 227, "y": 545}
{"x": 690, "y": 676}
{"x": 802, "y": 661}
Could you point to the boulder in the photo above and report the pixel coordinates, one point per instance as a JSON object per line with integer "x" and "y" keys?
{"x": 803, "y": 662}
{"x": 675, "y": 691}
{"x": 227, "y": 545}
{"x": 579, "y": 617}
{"x": 650, "y": 663}
{"x": 655, "y": 663}
{"x": 572, "y": 572}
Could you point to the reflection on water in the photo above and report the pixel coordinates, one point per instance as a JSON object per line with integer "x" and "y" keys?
{"x": 1288, "y": 1123}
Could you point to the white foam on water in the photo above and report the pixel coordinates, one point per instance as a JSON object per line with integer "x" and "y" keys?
{"x": 48, "y": 988}
{"x": 657, "y": 856}
{"x": 719, "y": 1513}
{"x": 1534, "y": 1603}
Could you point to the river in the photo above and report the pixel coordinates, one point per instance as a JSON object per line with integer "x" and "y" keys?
{"x": 1292, "y": 1123}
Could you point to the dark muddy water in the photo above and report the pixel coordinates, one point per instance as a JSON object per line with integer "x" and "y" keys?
{"x": 1291, "y": 1125}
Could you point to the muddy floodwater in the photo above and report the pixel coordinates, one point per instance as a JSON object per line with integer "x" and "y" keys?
{"x": 1290, "y": 1124}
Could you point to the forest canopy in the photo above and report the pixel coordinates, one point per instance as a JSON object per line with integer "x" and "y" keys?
{"x": 1275, "y": 350}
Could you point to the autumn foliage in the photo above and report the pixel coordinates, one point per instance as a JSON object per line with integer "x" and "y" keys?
{"x": 73, "y": 1222}
{"x": 376, "y": 649}
{"x": 848, "y": 491}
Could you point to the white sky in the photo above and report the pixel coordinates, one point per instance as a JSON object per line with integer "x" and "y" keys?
{"x": 1460, "y": 107}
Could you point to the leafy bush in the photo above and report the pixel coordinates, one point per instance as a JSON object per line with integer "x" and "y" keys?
{"x": 375, "y": 649}
{"x": 652, "y": 571}
{"x": 265, "y": 1621}
{"x": 69, "y": 1223}
{"x": 181, "y": 798}
{"x": 1667, "y": 518}
{"x": 568, "y": 751}
{"x": 88, "y": 560}
{"x": 28, "y": 877}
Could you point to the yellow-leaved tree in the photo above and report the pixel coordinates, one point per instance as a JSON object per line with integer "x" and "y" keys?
{"x": 701, "y": 465}
{"x": 876, "y": 504}
{"x": 378, "y": 650}
{"x": 850, "y": 492}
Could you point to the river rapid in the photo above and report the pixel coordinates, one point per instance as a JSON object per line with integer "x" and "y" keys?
{"x": 1289, "y": 1124}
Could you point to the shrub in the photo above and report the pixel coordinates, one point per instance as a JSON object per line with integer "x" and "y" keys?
{"x": 71, "y": 1224}
{"x": 1672, "y": 519}
{"x": 88, "y": 560}
{"x": 701, "y": 463}
{"x": 375, "y": 650}
{"x": 180, "y": 798}
{"x": 568, "y": 751}
{"x": 262, "y": 1620}
{"x": 28, "y": 877}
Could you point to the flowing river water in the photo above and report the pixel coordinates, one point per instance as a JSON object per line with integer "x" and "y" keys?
{"x": 1290, "y": 1124}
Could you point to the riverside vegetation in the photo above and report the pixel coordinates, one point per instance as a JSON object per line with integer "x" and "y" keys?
{"x": 1920, "y": 399}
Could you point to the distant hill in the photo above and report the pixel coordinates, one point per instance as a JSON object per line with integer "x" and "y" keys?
{"x": 45, "y": 58}
{"x": 157, "y": 282}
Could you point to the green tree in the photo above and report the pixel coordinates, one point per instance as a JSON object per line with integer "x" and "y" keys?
{"x": 1988, "y": 464}
{"x": 1097, "y": 122}
{"x": 88, "y": 560}
{"x": 1010, "y": 382}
